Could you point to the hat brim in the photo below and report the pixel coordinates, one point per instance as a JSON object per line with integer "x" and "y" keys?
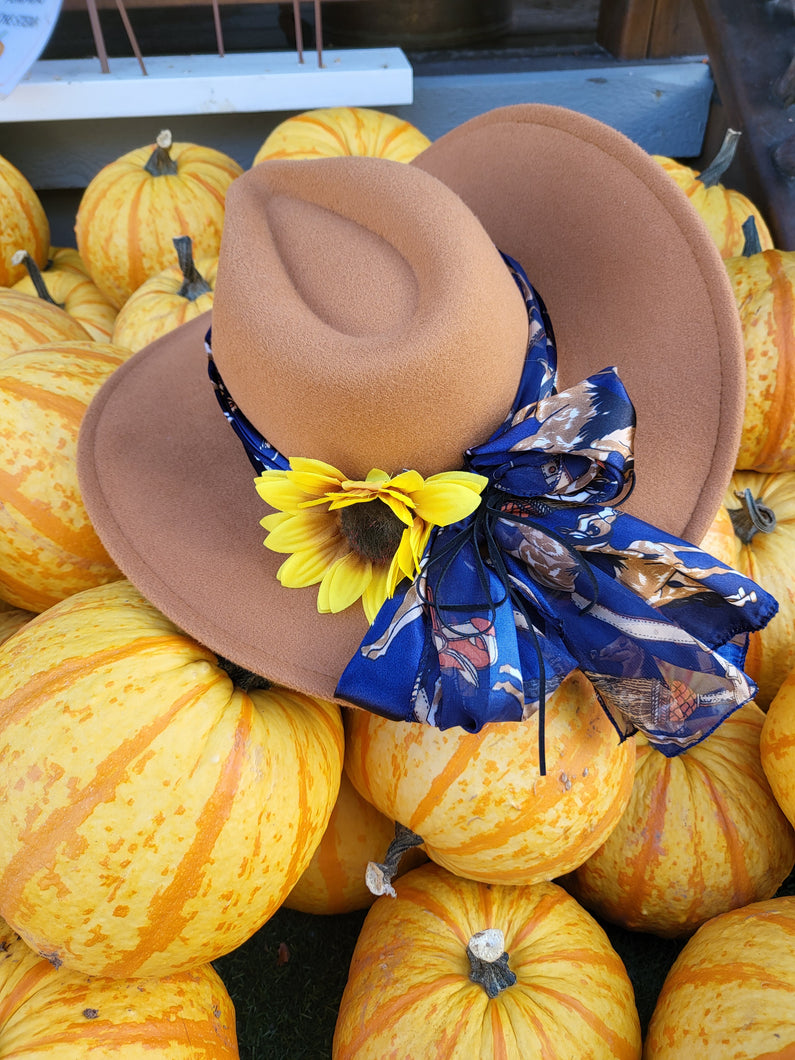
{"x": 630, "y": 277}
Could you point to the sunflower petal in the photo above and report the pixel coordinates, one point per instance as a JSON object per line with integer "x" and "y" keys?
{"x": 307, "y": 567}
{"x": 407, "y": 481}
{"x": 315, "y": 467}
{"x": 277, "y": 491}
{"x": 307, "y": 530}
{"x": 344, "y": 583}
{"x": 444, "y": 502}
{"x": 375, "y": 593}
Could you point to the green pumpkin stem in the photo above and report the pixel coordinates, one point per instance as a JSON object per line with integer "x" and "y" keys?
{"x": 36, "y": 277}
{"x": 379, "y": 874}
{"x": 160, "y": 163}
{"x": 751, "y": 245}
{"x": 751, "y": 517}
{"x": 488, "y": 962}
{"x": 711, "y": 176}
{"x": 243, "y": 679}
{"x": 193, "y": 284}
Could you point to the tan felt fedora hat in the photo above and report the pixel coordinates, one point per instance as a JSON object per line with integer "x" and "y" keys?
{"x": 363, "y": 317}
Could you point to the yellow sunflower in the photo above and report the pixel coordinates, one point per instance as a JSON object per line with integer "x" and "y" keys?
{"x": 358, "y": 539}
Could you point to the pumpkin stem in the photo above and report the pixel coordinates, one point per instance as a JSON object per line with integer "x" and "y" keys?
{"x": 160, "y": 163}
{"x": 194, "y": 284}
{"x": 751, "y": 517}
{"x": 35, "y": 274}
{"x": 488, "y": 961}
{"x": 244, "y": 679}
{"x": 378, "y": 875}
{"x": 710, "y": 176}
{"x": 751, "y": 245}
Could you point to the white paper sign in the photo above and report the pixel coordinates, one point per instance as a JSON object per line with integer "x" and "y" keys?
{"x": 25, "y": 28}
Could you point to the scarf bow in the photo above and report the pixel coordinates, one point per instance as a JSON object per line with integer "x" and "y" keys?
{"x": 548, "y": 575}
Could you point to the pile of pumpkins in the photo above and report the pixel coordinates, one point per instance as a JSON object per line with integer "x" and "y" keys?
{"x": 157, "y": 807}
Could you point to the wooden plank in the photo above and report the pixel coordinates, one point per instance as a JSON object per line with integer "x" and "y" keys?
{"x": 653, "y": 29}
{"x": 750, "y": 47}
{"x": 69, "y": 89}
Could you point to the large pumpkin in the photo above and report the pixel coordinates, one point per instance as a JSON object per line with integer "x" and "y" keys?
{"x": 335, "y": 880}
{"x": 763, "y": 282}
{"x": 73, "y": 291}
{"x": 62, "y": 1015}
{"x": 48, "y": 546}
{"x": 456, "y": 969}
{"x": 135, "y": 206}
{"x": 777, "y": 747}
{"x": 154, "y": 815}
{"x": 702, "y": 834}
{"x": 331, "y": 131}
{"x": 166, "y": 300}
{"x": 762, "y": 509}
{"x": 477, "y": 800}
{"x": 23, "y": 224}
{"x": 27, "y": 321}
{"x": 723, "y": 209}
{"x": 729, "y": 995}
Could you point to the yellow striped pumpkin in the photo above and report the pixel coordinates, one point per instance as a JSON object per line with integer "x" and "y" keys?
{"x": 763, "y": 282}
{"x": 478, "y": 800}
{"x": 48, "y": 546}
{"x": 702, "y": 834}
{"x": 170, "y": 298}
{"x": 334, "y": 881}
{"x": 331, "y": 131}
{"x": 410, "y": 991}
{"x": 777, "y": 746}
{"x": 723, "y": 209}
{"x": 155, "y": 815}
{"x": 135, "y": 206}
{"x": 23, "y": 224}
{"x": 27, "y": 321}
{"x": 762, "y": 509}
{"x": 730, "y": 995}
{"x": 62, "y": 1015}
{"x": 73, "y": 291}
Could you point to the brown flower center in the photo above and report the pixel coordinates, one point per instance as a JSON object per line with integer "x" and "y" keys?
{"x": 372, "y": 529}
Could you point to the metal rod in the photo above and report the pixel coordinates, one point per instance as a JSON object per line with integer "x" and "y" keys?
{"x": 99, "y": 39}
{"x": 131, "y": 36}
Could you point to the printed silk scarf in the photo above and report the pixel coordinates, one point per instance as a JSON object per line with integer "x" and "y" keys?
{"x": 548, "y": 575}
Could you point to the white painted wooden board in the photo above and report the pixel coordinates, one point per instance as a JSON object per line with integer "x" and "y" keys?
{"x": 241, "y": 82}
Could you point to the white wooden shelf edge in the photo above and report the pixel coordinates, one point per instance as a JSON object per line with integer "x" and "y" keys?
{"x": 209, "y": 84}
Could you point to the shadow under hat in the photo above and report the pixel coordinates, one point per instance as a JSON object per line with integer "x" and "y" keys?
{"x": 363, "y": 316}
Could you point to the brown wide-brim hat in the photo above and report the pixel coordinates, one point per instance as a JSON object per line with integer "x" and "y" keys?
{"x": 363, "y": 317}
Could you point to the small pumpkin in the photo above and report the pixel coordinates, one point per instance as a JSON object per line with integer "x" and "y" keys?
{"x": 168, "y": 299}
{"x": 27, "y": 321}
{"x": 331, "y": 131}
{"x": 334, "y": 881}
{"x": 458, "y": 969}
{"x": 722, "y": 209}
{"x": 71, "y": 290}
{"x": 729, "y": 993}
{"x": 777, "y": 746}
{"x": 23, "y": 223}
{"x": 763, "y": 282}
{"x": 702, "y": 834}
{"x": 133, "y": 208}
{"x": 478, "y": 801}
{"x": 52, "y": 1012}
{"x": 762, "y": 509}
{"x": 155, "y": 814}
{"x": 48, "y": 546}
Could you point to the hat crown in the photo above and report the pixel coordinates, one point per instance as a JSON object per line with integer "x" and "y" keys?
{"x": 386, "y": 330}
